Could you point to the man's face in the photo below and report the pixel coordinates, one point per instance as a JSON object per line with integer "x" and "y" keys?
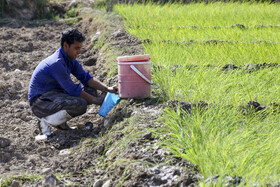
{"x": 73, "y": 50}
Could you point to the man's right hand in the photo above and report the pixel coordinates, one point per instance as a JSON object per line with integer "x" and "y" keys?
{"x": 91, "y": 99}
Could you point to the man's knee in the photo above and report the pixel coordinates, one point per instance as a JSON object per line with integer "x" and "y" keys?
{"x": 79, "y": 108}
{"x": 91, "y": 91}
{"x": 82, "y": 108}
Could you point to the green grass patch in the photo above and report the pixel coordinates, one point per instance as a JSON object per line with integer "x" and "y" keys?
{"x": 100, "y": 4}
{"x": 72, "y": 21}
{"x": 22, "y": 179}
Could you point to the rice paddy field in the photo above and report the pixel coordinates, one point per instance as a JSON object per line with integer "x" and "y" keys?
{"x": 226, "y": 55}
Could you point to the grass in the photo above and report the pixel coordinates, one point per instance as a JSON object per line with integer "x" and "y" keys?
{"x": 22, "y": 178}
{"x": 190, "y": 44}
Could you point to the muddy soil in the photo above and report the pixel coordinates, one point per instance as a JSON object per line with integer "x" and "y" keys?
{"x": 78, "y": 157}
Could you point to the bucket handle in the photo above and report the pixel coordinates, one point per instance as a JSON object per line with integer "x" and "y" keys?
{"x": 140, "y": 74}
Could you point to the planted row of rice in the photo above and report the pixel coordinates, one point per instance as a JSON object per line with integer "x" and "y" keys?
{"x": 219, "y": 14}
{"x": 220, "y": 87}
{"x": 217, "y": 54}
{"x": 204, "y": 34}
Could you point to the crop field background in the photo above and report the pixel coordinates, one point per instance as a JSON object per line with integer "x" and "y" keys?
{"x": 225, "y": 54}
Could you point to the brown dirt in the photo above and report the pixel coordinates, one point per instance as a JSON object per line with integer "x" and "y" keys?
{"x": 119, "y": 150}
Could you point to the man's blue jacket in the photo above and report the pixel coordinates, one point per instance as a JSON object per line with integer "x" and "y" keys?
{"x": 53, "y": 73}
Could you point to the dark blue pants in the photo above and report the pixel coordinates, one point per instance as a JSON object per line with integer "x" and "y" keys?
{"x": 54, "y": 101}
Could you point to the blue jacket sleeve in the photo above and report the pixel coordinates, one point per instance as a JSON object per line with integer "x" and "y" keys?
{"x": 80, "y": 73}
{"x": 60, "y": 72}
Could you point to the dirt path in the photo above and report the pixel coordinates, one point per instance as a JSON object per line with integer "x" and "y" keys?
{"x": 117, "y": 151}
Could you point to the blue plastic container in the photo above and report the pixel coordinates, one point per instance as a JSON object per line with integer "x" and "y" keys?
{"x": 109, "y": 102}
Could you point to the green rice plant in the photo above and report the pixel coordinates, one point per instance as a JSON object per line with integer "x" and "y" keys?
{"x": 199, "y": 14}
{"x": 223, "y": 142}
{"x": 188, "y": 28}
{"x": 232, "y": 33}
{"x": 219, "y": 87}
{"x": 213, "y": 54}
{"x": 210, "y": 39}
{"x": 191, "y": 46}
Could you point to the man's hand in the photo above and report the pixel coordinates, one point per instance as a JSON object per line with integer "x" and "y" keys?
{"x": 95, "y": 83}
{"x": 113, "y": 89}
{"x": 99, "y": 99}
{"x": 91, "y": 99}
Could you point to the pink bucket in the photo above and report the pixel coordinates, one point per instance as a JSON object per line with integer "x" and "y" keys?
{"x": 134, "y": 76}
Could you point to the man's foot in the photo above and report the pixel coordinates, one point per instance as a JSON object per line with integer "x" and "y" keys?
{"x": 45, "y": 130}
{"x": 64, "y": 127}
{"x": 41, "y": 137}
{"x": 44, "y": 127}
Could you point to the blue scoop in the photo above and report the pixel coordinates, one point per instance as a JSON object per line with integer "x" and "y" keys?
{"x": 109, "y": 102}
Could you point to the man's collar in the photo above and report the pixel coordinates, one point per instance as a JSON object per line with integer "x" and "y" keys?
{"x": 64, "y": 55}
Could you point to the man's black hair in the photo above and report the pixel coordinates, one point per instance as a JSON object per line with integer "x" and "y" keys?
{"x": 70, "y": 35}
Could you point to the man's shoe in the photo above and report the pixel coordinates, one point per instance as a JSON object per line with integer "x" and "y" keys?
{"x": 45, "y": 130}
{"x": 41, "y": 137}
{"x": 44, "y": 127}
{"x": 64, "y": 127}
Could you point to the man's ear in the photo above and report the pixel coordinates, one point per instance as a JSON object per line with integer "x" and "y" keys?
{"x": 65, "y": 45}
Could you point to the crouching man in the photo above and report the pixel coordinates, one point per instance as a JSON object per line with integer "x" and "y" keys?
{"x": 53, "y": 96}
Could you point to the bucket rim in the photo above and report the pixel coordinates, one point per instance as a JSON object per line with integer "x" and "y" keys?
{"x": 134, "y": 58}
{"x": 134, "y": 63}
